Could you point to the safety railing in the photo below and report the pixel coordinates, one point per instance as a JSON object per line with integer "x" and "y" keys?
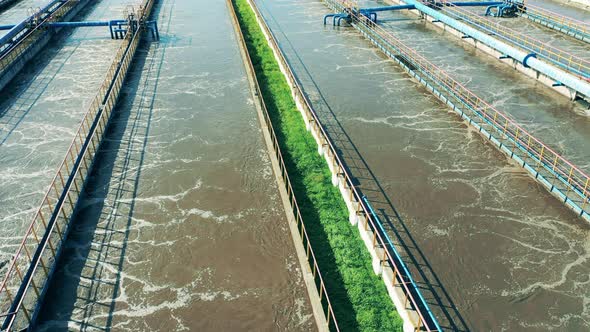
{"x": 425, "y": 318}
{"x": 34, "y": 259}
{"x": 566, "y": 60}
{"x": 317, "y": 275}
{"x": 577, "y": 28}
{"x": 574, "y": 181}
{"x": 27, "y": 38}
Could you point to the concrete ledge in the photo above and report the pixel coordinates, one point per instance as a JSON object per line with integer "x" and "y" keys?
{"x": 377, "y": 254}
{"x": 306, "y": 271}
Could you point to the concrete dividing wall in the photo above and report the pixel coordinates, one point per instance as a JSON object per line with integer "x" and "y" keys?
{"x": 357, "y": 216}
{"x": 306, "y": 270}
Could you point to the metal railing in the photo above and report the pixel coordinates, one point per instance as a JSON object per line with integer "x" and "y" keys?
{"x": 426, "y": 320}
{"x": 564, "y": 59}
{"x": 34, "y": 259}
{"x": 317, "y": 275}
{"x": 543, "y": 162}
{"x": 568, "y": 178}
{"x": 570, "y": 26}
{"x": 26, "y": 38}
{"x": 561, "y": 174}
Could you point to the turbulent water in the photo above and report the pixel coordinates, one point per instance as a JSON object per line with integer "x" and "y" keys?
{"x": 555, "y": 120}
{"x": 181, "y": 227}
{"x": 493, "y": 250}
{"x": 40, "y": 111}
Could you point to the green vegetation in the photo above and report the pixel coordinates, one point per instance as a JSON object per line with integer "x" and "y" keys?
{"x": 359, "y": 297}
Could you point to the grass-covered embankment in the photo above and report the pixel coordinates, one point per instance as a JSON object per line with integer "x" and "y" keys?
{"x": 359, "y": 298}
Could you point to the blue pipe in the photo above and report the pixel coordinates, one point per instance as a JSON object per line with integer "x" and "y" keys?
{"x": 83, "y": 24}
{"x": 458, "y": 4}
{"x": 328, "y": 16}
{"x": 387, "y": 8}
{"x": 111, "y": 29}
{"x": 340, "y": 19}
{"x": 551, "y": 71}
{"x": 489, "y": 10}
{"x": 476, "y": 3}
{"x": 154, "y": 28}
{"x": 7, "y": 27}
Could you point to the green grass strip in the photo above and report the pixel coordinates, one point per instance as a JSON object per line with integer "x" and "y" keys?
{"x": 359, "y": 297}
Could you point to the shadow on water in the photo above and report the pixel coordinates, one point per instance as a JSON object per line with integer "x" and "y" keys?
{"x": 87, "y": 282}
{"x": 430, "y": 285}
{"x": 23, "y": 91}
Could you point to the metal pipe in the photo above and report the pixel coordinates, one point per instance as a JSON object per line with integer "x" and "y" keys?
{"x": 558, "y": 75}
{"x": 386, "y": 8}
{"x": 475, "y": 3}
{"x": 327, "y": 16}
{"x": 86, "y": 24}
{"x": 7, "y": 27}
{"x": 458, "y": 4}
{"x": 78, "y": 24}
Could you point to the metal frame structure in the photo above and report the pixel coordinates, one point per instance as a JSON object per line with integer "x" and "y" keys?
{"x": 561, "y": 177}
{"x": 567, "y": 25}
{"x": 559, "y": 57}
{"x": 27, "y": 38}
{"x": 27, "y": 276}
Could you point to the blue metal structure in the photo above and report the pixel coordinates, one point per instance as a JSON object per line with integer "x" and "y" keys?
{"x": 371, "y": 12}
{"x": 574, "y": 28}
{"x": 557, "y": 65}
{"x": 502, "y": 9}
{"x": 561, "y": 178}
{"x": 116, "y": 27}
{"x": 28, "y": 274}
{"x": 26, "y": 38}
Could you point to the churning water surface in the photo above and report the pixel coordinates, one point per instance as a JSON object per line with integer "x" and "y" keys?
{"x": 181, "y": 227}
{"x": 492, "y": 250}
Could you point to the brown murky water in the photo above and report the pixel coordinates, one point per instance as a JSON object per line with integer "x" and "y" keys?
{"x": 40, "y": 112}
{"x": 492, "y": 250}
{"x": 181, "y": 228}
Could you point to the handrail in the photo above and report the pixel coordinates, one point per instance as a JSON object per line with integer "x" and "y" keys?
{"x": 286, "y": 179}
{"x": 565, "y": 21}
{"x": 569, "y": 61}
{"x": 64, "y": 188}
{"x": 357, "y": 195}
{"x": 534, "y": 146}
{"x": 576, "y": 180}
